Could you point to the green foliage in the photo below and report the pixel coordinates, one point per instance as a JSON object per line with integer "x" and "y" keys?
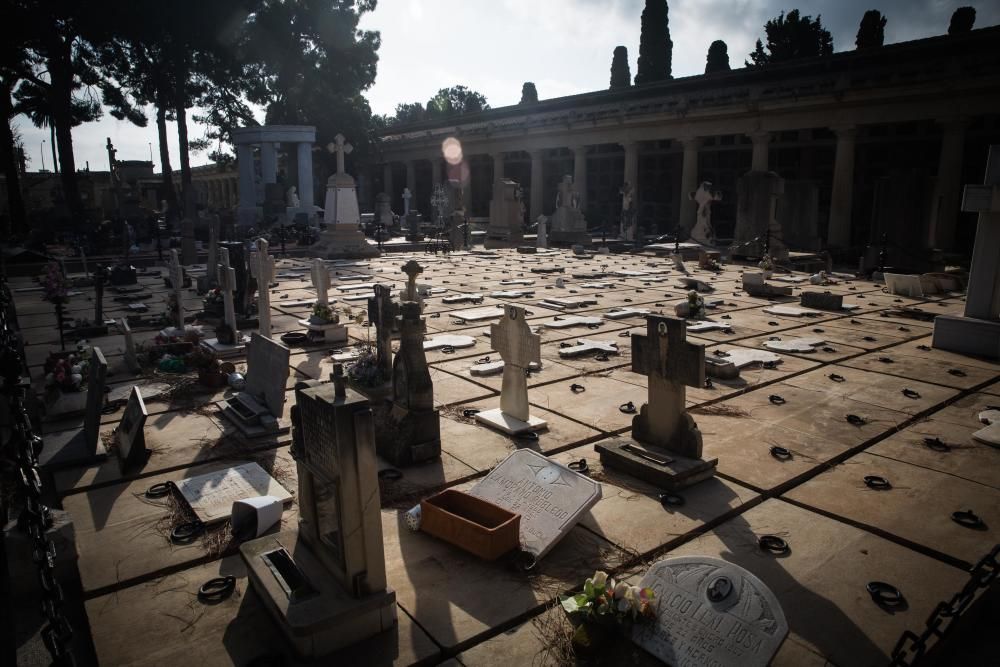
{"x": 655, "y": 47}
{"x": 621, "y": 74}
{"x": 718, "y": 57}
{"x": 962, "y": 20}
{"x": 871, "y": 32}
{"x": 455, "y": 101}
{"x": 791, "y": 37}
{"x": 529, "y": 95}
{"x": 409, "y": 113}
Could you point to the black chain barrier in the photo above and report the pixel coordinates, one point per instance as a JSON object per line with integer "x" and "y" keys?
{"x": 911, "y": 647}
{"x": 22, "y": 450}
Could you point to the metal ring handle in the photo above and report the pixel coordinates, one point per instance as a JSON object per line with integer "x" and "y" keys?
{"x": 910, "y": 393}
{"x": 668, "y": 499}
{"x": 781, "y": 453}
{"x": 856, "y": 420}
{"x": 773, "y": 543}
{"x": 775, "y": 399}
{"x": 579, "y": 466}
{"x": 937, "y": 444}
{"x": 836, "y": 378}
{"x": 390, "y": 474}
{"x": 185, "y": 533}
{"x": 217, "y": 588}
{"x": 969, "y": 519}
{"x": 884, "y": 594}
{"x": 877, "y": 482}
{"x": 160, "y": 490}
{"x": 577, "y": 388}
{"x": 627, "y": 408}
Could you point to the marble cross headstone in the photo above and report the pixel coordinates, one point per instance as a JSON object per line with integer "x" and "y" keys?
{"x": 177, "y": 285}
{"x": 320, "y": 275}
{"x": 341, "y": 148}
{"x": 671, "y": 364}
{"x": 519, "y": 348}
{"x": 227, "y": 284}
{"x": 412, "y": 269}
{"x": 262, "y": 269}
{"x": 708, "y": 602}
{"x": 381, "y": 315}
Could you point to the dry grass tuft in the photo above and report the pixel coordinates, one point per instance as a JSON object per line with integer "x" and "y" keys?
{"x": 721, "y": 410}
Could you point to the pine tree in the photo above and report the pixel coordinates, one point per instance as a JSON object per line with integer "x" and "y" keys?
{"x": 871, "y": 32}
{"x": 962, "y": 20}
{"x": 621, "y": 75}
{"x": 790, "y": 37}
{"x": 655, "y": 47}
{"x": 529, "y": 95}
{"x": 718, "y": 58}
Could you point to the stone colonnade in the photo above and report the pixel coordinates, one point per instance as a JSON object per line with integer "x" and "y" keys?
{"x": 944, "y": 207}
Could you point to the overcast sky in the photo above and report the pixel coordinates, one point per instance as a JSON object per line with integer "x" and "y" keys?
{"x": 563, "y": 46}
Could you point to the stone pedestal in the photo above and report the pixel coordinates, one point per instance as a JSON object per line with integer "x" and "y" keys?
{"x": 327, "y": 332}
{"x": 343, "y": 237}
{"x": 505, "y": 228}
{"x": 655, "y": 465}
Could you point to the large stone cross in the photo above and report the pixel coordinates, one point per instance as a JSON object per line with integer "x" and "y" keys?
{"x": 519, "y": 348}
{"x": 262, "y": 269}
{"x": 341, "y": 148}
{"x": 412, "y": 270}
{"x": 227, "y": 285}
{"x": 177, "y": 285}
{"x": 320, "y": 274}
{"x": 983, "y": 298}
{"x": 670, "y": 364}
{"x": 381, "y": 315}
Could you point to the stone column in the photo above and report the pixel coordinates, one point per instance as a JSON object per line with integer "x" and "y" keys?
{"x": 536, "y": 185}
{"x": 387, "y": 179}
{"x": 411, "y": 177}
{"x": 498, "y": 161}
{"x": 244, "y": 160}
{"x": 947, "y": 189}
{"x": 268, "y": 162}
{"x": 689, "y": 182}
{"x": 580, "y": 173}
{"x": 304, "y": 160}
{"x": 632, "y": 165}
{"x": 760, "y": 140}
{"x": 842, "y": 193}
{"x": 435, "y": 171}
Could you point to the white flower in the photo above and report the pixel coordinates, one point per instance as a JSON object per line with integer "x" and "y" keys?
{"x": 620, "y": 590}
{"x": 599, "y": 580}
{"x": 635, "y": 597}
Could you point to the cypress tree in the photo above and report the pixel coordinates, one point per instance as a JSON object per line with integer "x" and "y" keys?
{"x": 621, "y": 75}
{"x": 871, "y": 32}
{"x": 529, "y": 94}
{"x": 718, "y": 58}
{"x": 962, "y": 20}
{"x": 655, "y": 47}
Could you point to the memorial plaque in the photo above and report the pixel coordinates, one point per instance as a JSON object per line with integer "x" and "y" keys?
{"x": 129, "y": 436}
{"x": 478, "y": 314}
{"x": 267, "y": 372}
{"x": 211, "y": 495}
{"x": 550, "y": 497}
{"x": 710, "y": 612}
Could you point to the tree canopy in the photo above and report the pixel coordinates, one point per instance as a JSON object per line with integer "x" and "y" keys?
{"x": 871, "y": 32}
{"x": 717, "y": 59}
{"x": 962, "y": 20}
{"x": 529, "y": 95}
{"x": 791, "y": 37}
{"x": 655, "y": 47}
{"x": 621, "y": 75}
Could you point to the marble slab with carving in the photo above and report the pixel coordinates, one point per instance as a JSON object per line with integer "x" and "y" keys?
{"x": 211, "y": 495}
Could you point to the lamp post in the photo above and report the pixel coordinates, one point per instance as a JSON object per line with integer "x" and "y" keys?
{"x": 42, "y": 151}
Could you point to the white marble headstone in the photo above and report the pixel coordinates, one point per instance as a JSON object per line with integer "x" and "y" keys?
{"x": 211, "y": 496}
{"x": 710, "y": 612}
{"x": 550, "y": 497}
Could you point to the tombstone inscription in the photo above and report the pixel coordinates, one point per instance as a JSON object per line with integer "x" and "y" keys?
{"x": 550, "y": 497}
{"x": 710, "y": 612}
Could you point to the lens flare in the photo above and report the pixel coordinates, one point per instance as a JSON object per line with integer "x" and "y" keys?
{"x": 451, "y": 148}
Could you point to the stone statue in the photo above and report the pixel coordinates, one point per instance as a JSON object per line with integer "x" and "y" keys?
{"x": 292, "y": 198}
{"x": 407, "y": 195}
{"x": 626, "y": 217}
{"x": 567, "y": 195}
{"x": 703, "y": 232}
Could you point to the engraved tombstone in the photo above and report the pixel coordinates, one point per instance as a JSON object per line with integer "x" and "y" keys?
{"x": 129, "y": 435}
{"x": 325, "y": 584}
{"x": 710, "y": 612}
{"x": 550, "y": 497}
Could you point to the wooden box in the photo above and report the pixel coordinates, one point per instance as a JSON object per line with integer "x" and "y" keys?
{"x": 473, "y": 524}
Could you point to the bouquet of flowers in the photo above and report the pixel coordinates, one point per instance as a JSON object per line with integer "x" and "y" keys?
{"x": 55, "y": 287}
{"x": 766, "y": 263}
{"x": 322, "y": 313}
{"x": 696, "y": 306}
{"x": 213, "y": 298}
{"x": 66, "y": 372}
{"x": 365, "y": 371}
{"x": 605, "y": 605}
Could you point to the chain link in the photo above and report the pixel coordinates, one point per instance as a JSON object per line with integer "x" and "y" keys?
{"x": 911, "y": 647}
{"x": 22, "y": 450}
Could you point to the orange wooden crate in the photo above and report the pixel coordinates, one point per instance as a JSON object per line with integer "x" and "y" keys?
{"x": 470, "y": 523}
